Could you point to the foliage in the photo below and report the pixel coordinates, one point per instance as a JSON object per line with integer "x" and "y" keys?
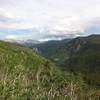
{"x": 24, "y": 75}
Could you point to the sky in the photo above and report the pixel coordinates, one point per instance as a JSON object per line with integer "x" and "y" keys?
{"x": 41, "y": 19}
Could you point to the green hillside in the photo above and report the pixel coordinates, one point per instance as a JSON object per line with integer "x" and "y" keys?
{"x": 85, "y": 58}
{"x": 24, "y": 75}
{"x": 54, "y": 50}
{"x": 81, "y": 54}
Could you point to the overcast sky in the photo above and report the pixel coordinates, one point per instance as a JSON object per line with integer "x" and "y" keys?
{"x": 25, "y": 19}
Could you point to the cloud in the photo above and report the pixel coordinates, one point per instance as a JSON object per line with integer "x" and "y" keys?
{"x": 48, "y": 17}
{"x": 4, "y": 17}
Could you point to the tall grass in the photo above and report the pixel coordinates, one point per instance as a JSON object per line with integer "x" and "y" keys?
{"x": 45, "y": 83}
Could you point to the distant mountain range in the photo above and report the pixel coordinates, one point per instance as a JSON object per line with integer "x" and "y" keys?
{"x": 31, "y": 41}
{"x": 51, "y": 37}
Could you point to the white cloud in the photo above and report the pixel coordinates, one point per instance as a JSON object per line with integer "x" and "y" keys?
{"x": 11, "y": 37}
{"x": 49, "y": 16}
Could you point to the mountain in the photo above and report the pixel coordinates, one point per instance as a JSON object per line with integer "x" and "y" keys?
{"x": 90, "y": 42}
{"x": 85, "y": 57}
{"x": 25, "y": 75}
{"x": 81, "y": 54}
{"x": 28, "y": 42}
{"x": 54, "y": 50}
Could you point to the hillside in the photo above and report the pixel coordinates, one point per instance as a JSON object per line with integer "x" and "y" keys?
{"x": 54, "y": 50}
{"x": 24, "y": 75}
{"x": 81, "y": 54}
{"x": 85, "y": 57}
{"x": 84, "y": 43}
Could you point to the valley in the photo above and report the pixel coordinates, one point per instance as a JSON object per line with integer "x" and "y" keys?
{"x": 81, "y": 54}
{"x": 28, "y": 73}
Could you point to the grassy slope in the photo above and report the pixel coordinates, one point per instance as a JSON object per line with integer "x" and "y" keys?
{"x": 15, "y": 55}
{"x": 24, "y": 75}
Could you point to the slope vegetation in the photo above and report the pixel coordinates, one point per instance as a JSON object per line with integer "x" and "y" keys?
{"x": 24, "y": 75}
{"x": 85, "y": 57}
{"x": 81, "y": 54}
{"x": 54, "y": 50}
